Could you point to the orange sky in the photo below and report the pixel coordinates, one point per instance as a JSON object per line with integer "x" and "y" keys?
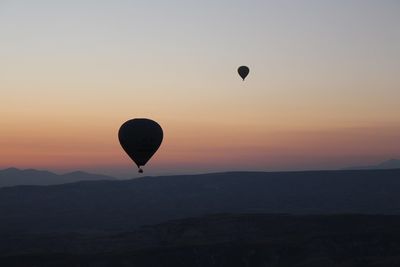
{"x": 322, "y": 92}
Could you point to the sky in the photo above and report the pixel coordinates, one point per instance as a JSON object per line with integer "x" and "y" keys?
{"x": 323, "y": 90}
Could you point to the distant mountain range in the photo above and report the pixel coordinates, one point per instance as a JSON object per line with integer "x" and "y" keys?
{"x": 125, "y": 205}
{"x": 13, "y": 176}
{"x": 388, "y": 164}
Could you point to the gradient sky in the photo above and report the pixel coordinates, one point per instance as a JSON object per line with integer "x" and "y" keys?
{"x": 323, "y": 91}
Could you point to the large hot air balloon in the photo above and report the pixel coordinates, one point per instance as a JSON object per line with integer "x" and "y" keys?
{"x": 140, "y": 138}
{"x": 243, "y": 71}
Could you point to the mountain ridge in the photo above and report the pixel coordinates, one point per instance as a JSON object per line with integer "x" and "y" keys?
{"x": 123, "y": 205}
{"x": 387, "y": 164}
{"x": 14, "y": 177}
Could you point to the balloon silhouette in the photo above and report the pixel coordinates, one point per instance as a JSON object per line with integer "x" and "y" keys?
{"x": 140, "y": 138}
{"x": 243, "y": 71}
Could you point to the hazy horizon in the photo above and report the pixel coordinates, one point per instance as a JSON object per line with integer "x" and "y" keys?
{"x": 322, "y": 92}
{"x": 132, "y": 173}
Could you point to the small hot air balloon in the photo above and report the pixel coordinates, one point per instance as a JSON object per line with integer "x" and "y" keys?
{"x": 140, "y": 138}
{"x": 243, "y": 71}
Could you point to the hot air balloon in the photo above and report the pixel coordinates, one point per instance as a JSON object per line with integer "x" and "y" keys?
{"x": 140, "y": 138}
{"x": 243, "y": 71}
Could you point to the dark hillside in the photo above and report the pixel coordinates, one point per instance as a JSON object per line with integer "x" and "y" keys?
{"x": 220, "y": 240}
{"x": 126, "y": 205}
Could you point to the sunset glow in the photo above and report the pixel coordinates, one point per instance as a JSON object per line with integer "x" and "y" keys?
{"x": 323, "y": 90}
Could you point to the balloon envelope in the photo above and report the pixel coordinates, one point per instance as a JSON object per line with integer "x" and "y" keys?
{"x": 140, "y": 138}
{"x": 243, "y": 71}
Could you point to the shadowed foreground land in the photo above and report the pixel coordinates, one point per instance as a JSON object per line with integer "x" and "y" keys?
{"x": 103, "y": 223}
{"x": 220, "y": 240}
{"x": 127, "y": 205}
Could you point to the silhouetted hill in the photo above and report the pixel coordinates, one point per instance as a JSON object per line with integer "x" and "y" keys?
{"x": 13, "y": 176}
{"x": 388, "y": 164}
{"x": 220, "y": 240}
{"x": 125, "y": 205}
